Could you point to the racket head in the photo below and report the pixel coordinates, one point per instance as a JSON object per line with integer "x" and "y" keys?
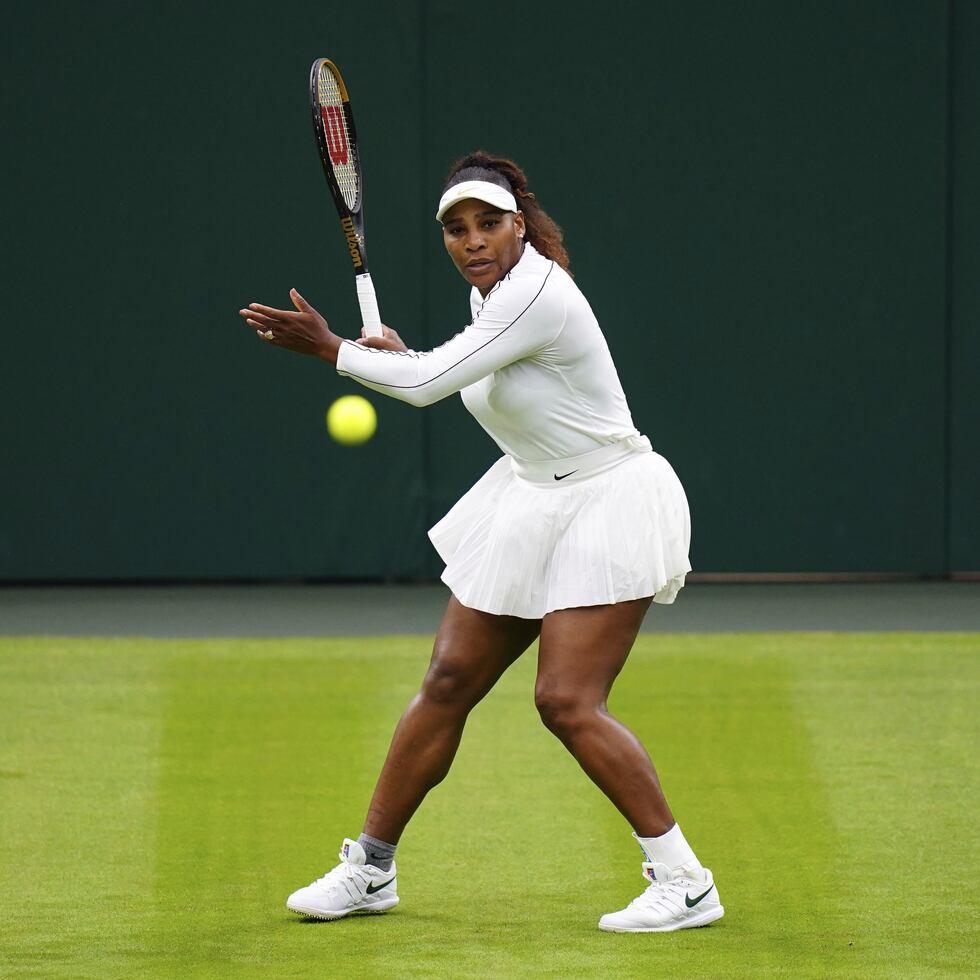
{"x": 336, "y": 137}
{"x": 336, "y": 140}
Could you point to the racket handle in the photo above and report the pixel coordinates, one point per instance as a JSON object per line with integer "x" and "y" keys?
{"x": 368, "y": 301}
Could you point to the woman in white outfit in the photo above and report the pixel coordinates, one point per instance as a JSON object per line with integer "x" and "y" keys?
{"x": 566, "y": 539}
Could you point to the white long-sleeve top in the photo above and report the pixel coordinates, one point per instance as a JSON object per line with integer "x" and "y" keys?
{"x": 533, "y": 367}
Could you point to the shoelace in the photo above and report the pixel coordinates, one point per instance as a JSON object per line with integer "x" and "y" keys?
{"x": 344, "y": 875}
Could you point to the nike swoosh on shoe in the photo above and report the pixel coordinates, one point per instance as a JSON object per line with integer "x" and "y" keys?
{"x": 371, "y": 889}
{"x": 690, "y": 904}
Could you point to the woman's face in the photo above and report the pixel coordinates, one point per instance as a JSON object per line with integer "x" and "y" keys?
{"x": 484, "y": 242}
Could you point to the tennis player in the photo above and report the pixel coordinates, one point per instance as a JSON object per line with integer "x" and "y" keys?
{"x": 567, "y": 538}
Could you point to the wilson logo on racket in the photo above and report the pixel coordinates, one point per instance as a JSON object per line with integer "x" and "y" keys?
{"x": 353, "y": 241}
{"x": 333, "y": 129}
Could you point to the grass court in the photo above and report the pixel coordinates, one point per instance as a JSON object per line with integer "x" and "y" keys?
{"x": 160, "y": 798}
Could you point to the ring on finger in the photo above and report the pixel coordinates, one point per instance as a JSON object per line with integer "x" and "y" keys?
{"x": 267, "y": 334}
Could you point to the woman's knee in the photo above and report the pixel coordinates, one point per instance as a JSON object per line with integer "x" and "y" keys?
{"x": 450, "y": 682}
{"x": 564, "y": 710}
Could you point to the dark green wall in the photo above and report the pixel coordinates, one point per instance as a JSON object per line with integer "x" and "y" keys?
{"x": 755, "y": 197}
{"x": 964, "y": 349}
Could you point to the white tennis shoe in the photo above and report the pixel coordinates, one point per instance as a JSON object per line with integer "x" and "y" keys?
{"x": 674, "y": 900}
{"x": 353, "y": 886}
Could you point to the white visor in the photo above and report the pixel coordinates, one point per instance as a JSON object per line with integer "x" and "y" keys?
{"x": 482, "y": 190}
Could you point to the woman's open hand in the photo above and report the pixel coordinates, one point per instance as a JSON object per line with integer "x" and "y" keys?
{"x": 303, "y": 331}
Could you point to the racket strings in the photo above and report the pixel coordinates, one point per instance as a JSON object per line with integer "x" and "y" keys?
{"x": 341, "y": 149}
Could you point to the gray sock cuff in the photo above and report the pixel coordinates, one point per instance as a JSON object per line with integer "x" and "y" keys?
{"x": 379, "y": 853}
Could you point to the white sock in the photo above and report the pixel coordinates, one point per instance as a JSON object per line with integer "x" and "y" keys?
{"x": 670, "y": 849}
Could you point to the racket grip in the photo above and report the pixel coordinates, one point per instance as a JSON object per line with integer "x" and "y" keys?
{"x": 368, "y": 301}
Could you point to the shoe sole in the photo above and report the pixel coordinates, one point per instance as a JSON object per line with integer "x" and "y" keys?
{"x": 694, "y": 922}
{"x": 381, "y": 907}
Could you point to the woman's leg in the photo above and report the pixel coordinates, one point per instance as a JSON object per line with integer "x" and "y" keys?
{"x": 472, "y": 649}
{"x": 582, "y": 651}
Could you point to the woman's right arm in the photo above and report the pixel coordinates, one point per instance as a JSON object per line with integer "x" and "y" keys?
{"x": 516, "y": 320}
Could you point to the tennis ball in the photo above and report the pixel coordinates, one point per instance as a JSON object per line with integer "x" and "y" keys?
{"x": 351, "y": 420}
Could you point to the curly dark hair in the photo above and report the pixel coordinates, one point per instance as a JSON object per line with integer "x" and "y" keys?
{"x": 541, "y": 230}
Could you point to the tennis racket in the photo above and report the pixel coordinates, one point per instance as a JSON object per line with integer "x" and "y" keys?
{"x": 336, "y": 139}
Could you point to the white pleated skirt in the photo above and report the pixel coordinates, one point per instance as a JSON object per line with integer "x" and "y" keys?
{"x": 605, "y": 527}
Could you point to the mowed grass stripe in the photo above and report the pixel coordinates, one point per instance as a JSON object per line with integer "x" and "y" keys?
{"x": 160, "y": 798}
{"x": 79, "y": 737}
{"x": 895, "y": 730}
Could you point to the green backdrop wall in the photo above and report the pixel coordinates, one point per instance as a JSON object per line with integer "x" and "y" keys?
{"x": 773, "y": 207}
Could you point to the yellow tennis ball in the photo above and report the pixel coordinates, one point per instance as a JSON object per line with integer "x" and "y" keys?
{"x": 351, "y": 420}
